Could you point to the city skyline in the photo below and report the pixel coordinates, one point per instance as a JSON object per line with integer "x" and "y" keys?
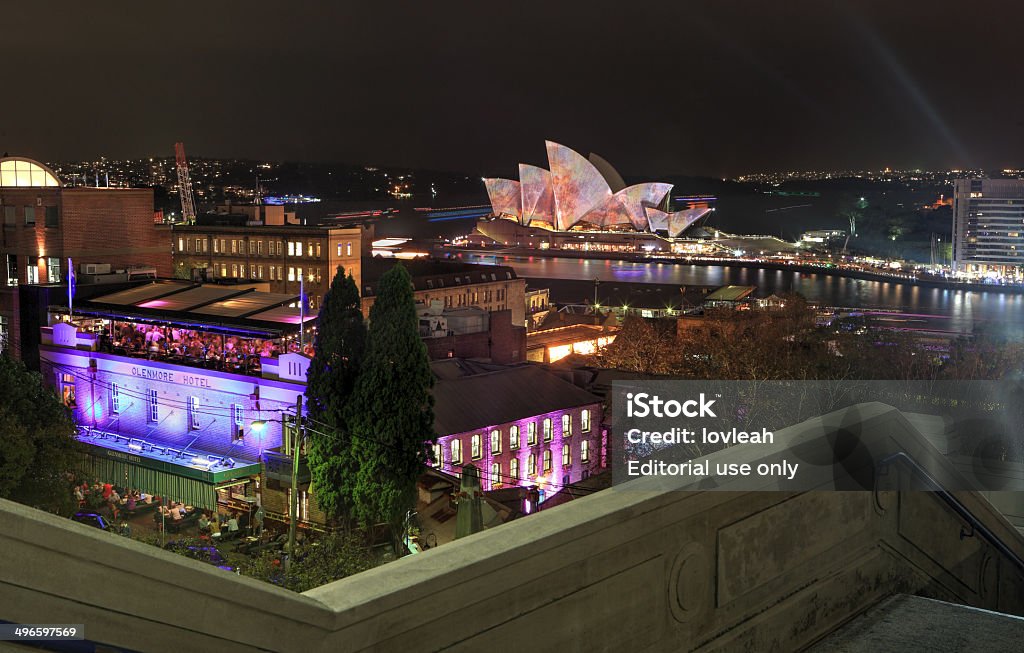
{"x": 726, "y": 91}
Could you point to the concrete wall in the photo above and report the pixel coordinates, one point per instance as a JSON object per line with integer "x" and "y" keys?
{"x": 640, "y": 567}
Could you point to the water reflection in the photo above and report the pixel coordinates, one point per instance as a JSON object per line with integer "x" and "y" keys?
{"x": 948, "y": 310}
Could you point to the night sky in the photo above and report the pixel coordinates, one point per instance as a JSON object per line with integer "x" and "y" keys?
{"x": 711, "y": 88}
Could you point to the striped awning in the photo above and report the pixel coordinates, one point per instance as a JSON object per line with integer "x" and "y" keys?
{"x": 189, "y": 491}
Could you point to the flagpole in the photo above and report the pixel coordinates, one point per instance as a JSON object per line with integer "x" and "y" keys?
{"x": 71, "y": 288}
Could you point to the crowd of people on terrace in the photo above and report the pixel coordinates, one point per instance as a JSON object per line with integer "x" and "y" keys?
{"x": 211, "y": 350}
{"x": 112, "y": 500}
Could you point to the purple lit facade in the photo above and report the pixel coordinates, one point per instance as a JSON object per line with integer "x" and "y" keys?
{"x": 582, "y": 446}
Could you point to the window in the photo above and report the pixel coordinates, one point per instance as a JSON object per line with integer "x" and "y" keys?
{"x": 436, "y": 455}
{"x": 531, "y": 465}
{"x": 154, "y": 407}
{"x": 475, "y": 450}
{"x": 547, "y": 460}
{"x": 566, "y": 425}
{"x": 50, "y": 217}
{"x": 495, "y": 441}
{"x": 115, "y": 399}
{"x": 291, "y": 274}
{"x": 10, "y": 219}
{"x": 223, "y": 246}
{"x": 280, "y": 273}
{"x": 348, "y": 249}
{"x": 259, "y": 271}
{"x": 252, "y": 246}
{"x": 53, "y": 270}
{"x": 199, "y": 245}
{"x": 531, "y": 434}
{"x": 298, "y": 274}
{"x": 234, "y": 270}
{"x": 181, "y": 244}
{"x": 216, "y": 246}
{"x": 241, "y": 270}
{"x": 456, "y": 448}
{"x": 30, "y": 215}
{"x": 234, "y": 246}
{"x": 67, "y": 390}
{"x": 33, "y": 272}
{"x": 566, "y": 455}
{"x": 223, "y": 269}
{"x": 259, "y": 247}
{"x": 495, "y": 474}
{"x": 513, "y": 469}
{"x": 273, "y": 271}
{"x": 193, "y": 414}
{"x": 585, "y": 451}
{"x": 547, "y": 429}
{"x": 239, "y": 430}
{"x": 291, "y": 248}
{"x": 585, "y": 420}
{"x": 309, "y": 250}
{"x": 513, "y": 437}
{"x": 318, "y": 250}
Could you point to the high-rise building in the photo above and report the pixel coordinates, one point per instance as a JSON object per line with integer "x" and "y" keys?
{"x": 988, "y": 228}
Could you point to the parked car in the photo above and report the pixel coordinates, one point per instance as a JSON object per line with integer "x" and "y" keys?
{"x": 93, "y": 519}
{"x": 202, "y": 553}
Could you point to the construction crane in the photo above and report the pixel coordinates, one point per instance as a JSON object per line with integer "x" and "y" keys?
{"x": 188, "y": 205}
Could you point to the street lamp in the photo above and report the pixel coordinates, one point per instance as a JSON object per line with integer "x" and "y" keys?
{"x": 293, "y": 504}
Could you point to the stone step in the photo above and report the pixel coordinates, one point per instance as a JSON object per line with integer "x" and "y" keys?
{"x": 911, "y": 624}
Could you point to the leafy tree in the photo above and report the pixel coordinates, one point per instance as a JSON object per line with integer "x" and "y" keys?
{"x": 391, "y": 413}
{"x": 335, "y": 556}
{"x": 339, "y": 344}
{"x": 37, "y": 443}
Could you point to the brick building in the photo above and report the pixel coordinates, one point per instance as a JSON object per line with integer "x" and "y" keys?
{"x": 278, "y": 254}
{"x": 520, "y": 425}
{"x": 44, "y": 224}
{"x": 471, "y": 332}
{"x": 454, "y": 284}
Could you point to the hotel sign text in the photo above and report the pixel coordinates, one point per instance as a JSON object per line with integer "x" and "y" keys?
{"x": 170, "y": 377}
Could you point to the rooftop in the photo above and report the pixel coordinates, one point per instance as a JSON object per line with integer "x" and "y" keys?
{"x": 470, "y": 396}
{"x": 433, "y": 274}
{"x": 730, "y": 294}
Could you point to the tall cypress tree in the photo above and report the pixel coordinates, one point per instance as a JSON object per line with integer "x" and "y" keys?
{"x": 338, "y": 354}
{"x": 392, "y": 411}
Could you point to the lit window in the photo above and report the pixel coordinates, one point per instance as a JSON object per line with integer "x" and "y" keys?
{"x": 547, "y": 429}
{"x": 456, "y": 451}
{"x": 259, "y": 247}
{"x": 339, "y": 249}
{"x": 513, "y": 469}
{"x": 181, "y": 244}
{"x": 115, "y": 399}
{"x": 223, "y": 269}
{"x": 566, "y": 425}
{"x": 566, "y": 455}
{"x": 53, "y": 270}
{"x": 531, "y": 465}
{"x": 33, "y": 272}
{"x": 234, "y": 270}
{"x": 199, "y": 243}
{"x": 291, "y": 248}
{"x": 348, "y": 249}
{"x": 291, "y": 274}
{"x": 475, "y": 450}
{"x": 318, "y": 250}
{"x": 216, "y": 246}
{"x": 309, "y": 250}
{"x": 193, "y": 414}
{"x": 298, "y": 274}
{"x": 585, "y": 450}
{"x": 437, "y": 455}
{"x": 234, "y": 246}
{"x": 585, "y": 420}
{"x": 495, "y": 441}
{"x": 547, "y": 460}
{"x": 67, "y": 390}
{"x": 495, "y": 474}
{"x": 531, "y": 434}
{"x": 154, "y": 407}
{"x": 236, "y": 412}
{"x": 273, "y": 271}
{"x": 241, "y": 270}
{"x": 513, "y": 437}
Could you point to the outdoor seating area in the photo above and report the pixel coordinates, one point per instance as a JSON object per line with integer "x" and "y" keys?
{"x": 203, "y": 349}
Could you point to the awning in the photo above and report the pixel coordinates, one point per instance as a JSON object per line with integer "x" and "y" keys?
{"x": 189, "y": 491}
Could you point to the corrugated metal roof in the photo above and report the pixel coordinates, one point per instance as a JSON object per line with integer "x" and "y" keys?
{"x": 730, "y": 294}
{"x": 145, "y": 292}
{"x": 247, "y": 304}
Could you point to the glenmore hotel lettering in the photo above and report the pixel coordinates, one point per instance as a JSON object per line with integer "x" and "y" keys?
{"x": 170, "y": 377}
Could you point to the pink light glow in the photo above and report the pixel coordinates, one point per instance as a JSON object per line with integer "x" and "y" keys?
{"x": 154, "y": 303}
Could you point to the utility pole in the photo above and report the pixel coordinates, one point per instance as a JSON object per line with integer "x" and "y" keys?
{"x": 597, "y": 282}
{"x": 293, "y": 507}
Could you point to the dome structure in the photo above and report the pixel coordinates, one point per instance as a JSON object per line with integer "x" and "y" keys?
{"x": 18, "y": 172}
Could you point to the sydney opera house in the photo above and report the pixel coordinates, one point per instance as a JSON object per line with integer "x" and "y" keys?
{"x": 577, "y": 194}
